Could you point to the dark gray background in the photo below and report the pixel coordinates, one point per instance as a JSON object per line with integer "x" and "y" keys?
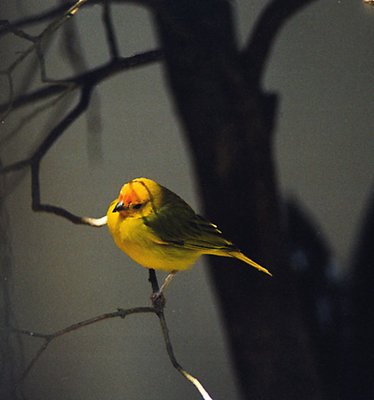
{"x": 322, "y": 66}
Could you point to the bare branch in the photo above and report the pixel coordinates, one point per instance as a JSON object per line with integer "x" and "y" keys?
{"x": 169, "y": 348}
{"x": 59, "y": 129}
{"x": 30, "y": 98}
{"x": 53, "y": 12}
{"x": 49, "y": 337}
{"x": 159, "y": 301}
{"x": 55, "y": 133}
{"x": 52, "y": 27}
{"x": 39, "y": 154}
{"x": 35, "y": 160}
{"x": 36, "y": 46}
{"x": 16, "y": 166}
{"x": 95, "y": 75}
{"x": 272, "y": 19}
{"x": 7, "y": 27}
{"x": 109, "y": 30}
{"x": 157, "y": 309}
{"x": 60, "y": 211}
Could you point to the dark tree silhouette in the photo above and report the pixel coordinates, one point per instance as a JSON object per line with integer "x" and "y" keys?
{"x": 229, "y": 122}
{"x": 360, "y": 364}
{"x": 281, "y": 345}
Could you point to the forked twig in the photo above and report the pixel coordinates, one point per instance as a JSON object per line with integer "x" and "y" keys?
{"x": 36, "y": 46}
{"x": 157, "y": 308}
{"x": 97, "y": 74}
{"x": 49, "y": 337}
{"x": 159, "y": 304}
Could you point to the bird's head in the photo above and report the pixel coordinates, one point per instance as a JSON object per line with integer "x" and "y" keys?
{"x": 138, "y": 198}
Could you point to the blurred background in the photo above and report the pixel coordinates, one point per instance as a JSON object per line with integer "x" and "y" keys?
{"x": 58, "y": 273}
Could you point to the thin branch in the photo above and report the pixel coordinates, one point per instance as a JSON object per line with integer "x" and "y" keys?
{"x": 49, "y": 337}
{"x": 109, "y": 30}
{"x": 122, "y": 313}
{"x": 18, "y": 165}
{"x": 60, "y": 128}
{"x": 52, "y": 27}
{"x": 36, "y": 46}
{"x": 35, "y": 161}
{"x": 262, "y": 38}
{"x": 169, "y": 348}
{"x": 158, "y": 302}
{"x": 97, "y": 74}
{"x": 7, "y": 27}
{"x": 59, "y": 211}
{"x": 39, "y": 94}
{"x": 57, "y": 10}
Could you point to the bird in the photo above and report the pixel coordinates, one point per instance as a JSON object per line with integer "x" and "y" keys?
{"x": 160, "y": 231}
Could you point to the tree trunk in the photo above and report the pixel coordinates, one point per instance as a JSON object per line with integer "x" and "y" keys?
{"x": 229, "y": 123}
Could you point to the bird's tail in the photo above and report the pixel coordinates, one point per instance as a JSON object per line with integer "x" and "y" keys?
{"x": 242, "y": 257}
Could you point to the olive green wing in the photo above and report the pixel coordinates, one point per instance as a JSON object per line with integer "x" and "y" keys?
{"x": 176, "y": 224}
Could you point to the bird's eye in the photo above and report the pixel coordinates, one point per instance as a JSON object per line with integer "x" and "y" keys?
{"x": 137, "y": 206}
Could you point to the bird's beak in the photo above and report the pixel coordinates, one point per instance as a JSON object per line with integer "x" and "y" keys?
{"x": 119, "y": 207}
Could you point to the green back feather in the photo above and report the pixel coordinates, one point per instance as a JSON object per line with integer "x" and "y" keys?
{"x": 176, "y": 224}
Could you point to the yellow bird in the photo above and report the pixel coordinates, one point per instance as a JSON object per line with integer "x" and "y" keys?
{"x": 159, "y": 230}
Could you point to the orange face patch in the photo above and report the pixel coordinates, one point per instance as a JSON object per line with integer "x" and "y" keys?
{"x": 127, "y": 195}
{"x": 133, "y": 193}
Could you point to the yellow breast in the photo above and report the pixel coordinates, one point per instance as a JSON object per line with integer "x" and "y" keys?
{"x": 134, "y": 238}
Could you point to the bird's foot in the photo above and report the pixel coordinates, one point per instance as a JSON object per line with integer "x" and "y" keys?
{"x": 158, "y": 300}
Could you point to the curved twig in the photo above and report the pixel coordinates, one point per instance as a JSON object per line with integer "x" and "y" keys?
{"x": 109, "y": 30}
{"x": 34, "y": 19}
{"x": 37, "y": 42}
{"x": 35, "y": 161}
{"x": 86, "y": 81}
{"x": 169, "y": 348}
{"x": 56, "y": 11}
{"x": 158, "y": 300}
{"x": 96, "y": 74}
{"x": 157, "y": 308}
{"x": 49, "y": 337}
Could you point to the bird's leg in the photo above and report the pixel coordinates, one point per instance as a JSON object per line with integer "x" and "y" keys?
{"x": 158, "y": 298}
{"x": 167, "y": 280}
